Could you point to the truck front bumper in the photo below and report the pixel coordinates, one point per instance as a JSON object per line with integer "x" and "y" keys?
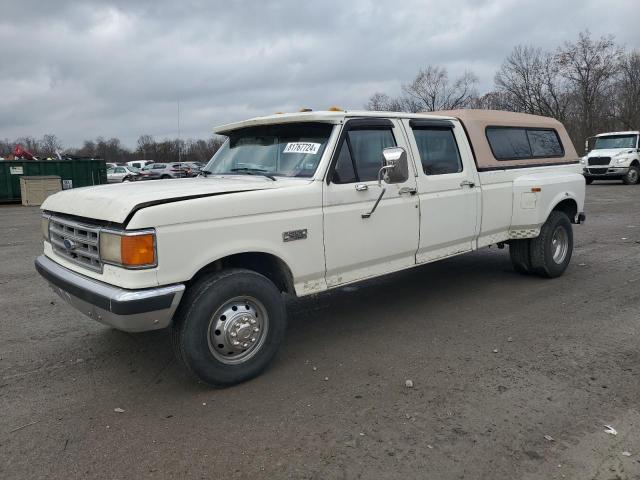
{"x": 605, "y": 172}
{"x": 128, "y": 310}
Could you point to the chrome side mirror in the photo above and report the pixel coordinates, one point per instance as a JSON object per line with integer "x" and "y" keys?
{"x": 395, "y": 170}
{"x": 396, "y": 167}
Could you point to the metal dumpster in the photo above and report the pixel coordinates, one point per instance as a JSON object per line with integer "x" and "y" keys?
{"x": 74, "y": 173}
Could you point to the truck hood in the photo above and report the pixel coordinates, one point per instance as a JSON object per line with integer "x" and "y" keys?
{"x": 608, "y": 152}
{"x": 116, "y": 202}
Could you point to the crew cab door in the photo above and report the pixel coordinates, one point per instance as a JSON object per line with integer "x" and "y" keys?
{"x": 448, "y": 188}
{"x": 358, "y": 247}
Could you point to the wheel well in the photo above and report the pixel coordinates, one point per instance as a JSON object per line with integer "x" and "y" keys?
{"x": 635, "y": 163}
{"x": 569, "y": 207}
{"x": 265, "y": 264}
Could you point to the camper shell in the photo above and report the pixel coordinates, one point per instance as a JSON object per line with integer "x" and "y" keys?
{"x": 477, "y": 123}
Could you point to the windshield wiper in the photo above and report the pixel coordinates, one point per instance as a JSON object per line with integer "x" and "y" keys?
{"x": 251, "y": 171}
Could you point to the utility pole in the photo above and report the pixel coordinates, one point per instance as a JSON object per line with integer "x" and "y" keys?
{"x": 179, "y": 141}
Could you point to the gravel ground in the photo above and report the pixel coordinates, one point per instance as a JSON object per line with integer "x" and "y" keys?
{"x": 498, "y": 361}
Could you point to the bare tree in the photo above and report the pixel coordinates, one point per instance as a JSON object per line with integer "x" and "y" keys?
{"x": 146, "y": 146}
{"x": 431, "y": 90}
{"x": 530, "y": 82}
{"x": 590, "y": 67}
{"x": 49, "y": 145}
{"x": 627, "y": 104}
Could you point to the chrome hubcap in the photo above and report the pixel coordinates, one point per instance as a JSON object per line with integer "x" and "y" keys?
{"x": 632, "y": 175}
{"x": 559, "y": 245}
{"x": 238, "y": 329}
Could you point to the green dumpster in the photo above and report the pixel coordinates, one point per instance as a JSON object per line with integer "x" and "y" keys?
{"x": 74, "y": 174}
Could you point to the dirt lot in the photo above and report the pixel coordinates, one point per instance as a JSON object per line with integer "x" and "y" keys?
{"x": 498, "y": 361}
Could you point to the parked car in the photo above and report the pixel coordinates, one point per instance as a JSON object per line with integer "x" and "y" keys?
{"x": 302, "y": 205}
{"x": 193, "y": 168}
{"x": 111, "y": 165}
{"x": 615, "y": 156}
{"x": 139, "y": 163}
{"x": 157, "y": 171}
{"x": 122, "y": 173}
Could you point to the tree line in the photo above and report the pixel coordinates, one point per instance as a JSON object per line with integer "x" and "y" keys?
{"x": 590, "y": 85}
{"x": 112, "y": 149}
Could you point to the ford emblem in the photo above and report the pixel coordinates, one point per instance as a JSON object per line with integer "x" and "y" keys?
{"x": 69, "y": 244}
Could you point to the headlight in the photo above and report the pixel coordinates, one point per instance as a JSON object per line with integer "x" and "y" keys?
{"x": 45, "y": 228}
{"x": 622, "y": 158}
{"x": 583, "y": 160}
{"x": 129, "y": 249}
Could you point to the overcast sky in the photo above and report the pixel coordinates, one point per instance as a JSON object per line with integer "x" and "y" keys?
{"x": 118, "y": 68}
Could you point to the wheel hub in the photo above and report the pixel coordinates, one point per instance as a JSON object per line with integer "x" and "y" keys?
{"x": 559, "y": 245}
{"x": 237, "y": 330}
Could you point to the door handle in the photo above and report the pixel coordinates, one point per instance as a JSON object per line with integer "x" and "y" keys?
{"x": 361, "y": 187}
{"x": 467, "y": 183}
{"x": 409, "y": 190}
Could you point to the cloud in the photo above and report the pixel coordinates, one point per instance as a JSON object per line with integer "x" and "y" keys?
{"x": 119, "y": 68}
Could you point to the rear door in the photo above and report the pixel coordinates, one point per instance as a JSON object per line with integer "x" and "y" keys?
{"x": 357, "y": 247}
{"x": 448, "y": 188}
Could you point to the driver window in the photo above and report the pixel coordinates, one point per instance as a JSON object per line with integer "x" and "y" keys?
{"x": 360, "y": 156}
{"x": 438, "y": 150}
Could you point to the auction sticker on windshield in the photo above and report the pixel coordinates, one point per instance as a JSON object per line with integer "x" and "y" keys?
{"x": 302, "y": 147}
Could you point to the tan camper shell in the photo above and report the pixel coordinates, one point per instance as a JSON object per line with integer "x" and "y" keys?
{"x": 488, "y": 128}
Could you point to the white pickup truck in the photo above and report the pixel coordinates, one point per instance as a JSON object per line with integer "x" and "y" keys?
{"x": 614, "y": 156}
{"x": 302, "y": 203}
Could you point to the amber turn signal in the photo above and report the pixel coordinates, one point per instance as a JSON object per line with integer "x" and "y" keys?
{"x": 138, "y": 250}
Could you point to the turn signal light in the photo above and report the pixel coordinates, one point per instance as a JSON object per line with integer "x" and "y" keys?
{"x": 128, "y": 250}
{"x": 137, "y": 250}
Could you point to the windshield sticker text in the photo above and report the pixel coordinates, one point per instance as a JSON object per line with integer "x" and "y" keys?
{"x": 302, "y": 147}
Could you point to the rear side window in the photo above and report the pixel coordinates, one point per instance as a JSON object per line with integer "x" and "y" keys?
{"x": 509, "y": 143}
{"x": 360, "y": 157}
{"x": 438, "y": 150}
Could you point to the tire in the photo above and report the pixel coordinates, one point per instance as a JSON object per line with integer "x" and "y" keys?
{"x": 588, "y": 181}
{"x": 126, "y": 179}
{"x": 633, "y": 176}
{"x": 520, "y": 253}
{"x": 551, "y": 251}
{"x": 164, "y": 177}
{"x": 206, "y": 321}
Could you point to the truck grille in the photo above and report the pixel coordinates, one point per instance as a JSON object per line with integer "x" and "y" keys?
{"x": 599, "y": 160}
{"x": 79, "y": 243}
{"x": 598, "y": 171}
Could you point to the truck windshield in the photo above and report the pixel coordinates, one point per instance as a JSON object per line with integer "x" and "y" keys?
{"x": 615, "y": 141}
{"x": 288, "y": 150}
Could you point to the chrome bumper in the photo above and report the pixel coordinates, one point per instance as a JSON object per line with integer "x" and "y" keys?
{"x": 128, "y": 310}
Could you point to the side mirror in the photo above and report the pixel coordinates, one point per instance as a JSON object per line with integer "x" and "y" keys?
{"x": 396, "y": 168}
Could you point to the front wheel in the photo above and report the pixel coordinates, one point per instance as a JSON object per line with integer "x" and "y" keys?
{"x": 229, "y": 326}
{"x": 588, "y": 180}
{"x": 633, "y": 176}
{"x": 551, "y": 251}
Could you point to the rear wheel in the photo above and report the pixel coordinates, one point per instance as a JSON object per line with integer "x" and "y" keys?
{"x": 633, "y": 176}
{"x": 520, "y": 253}
{"x": 551, "y": 250}
{"x": 164, "y": 177}
{"x": 229, "y": 326}
{"x": 126, "y": 179}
